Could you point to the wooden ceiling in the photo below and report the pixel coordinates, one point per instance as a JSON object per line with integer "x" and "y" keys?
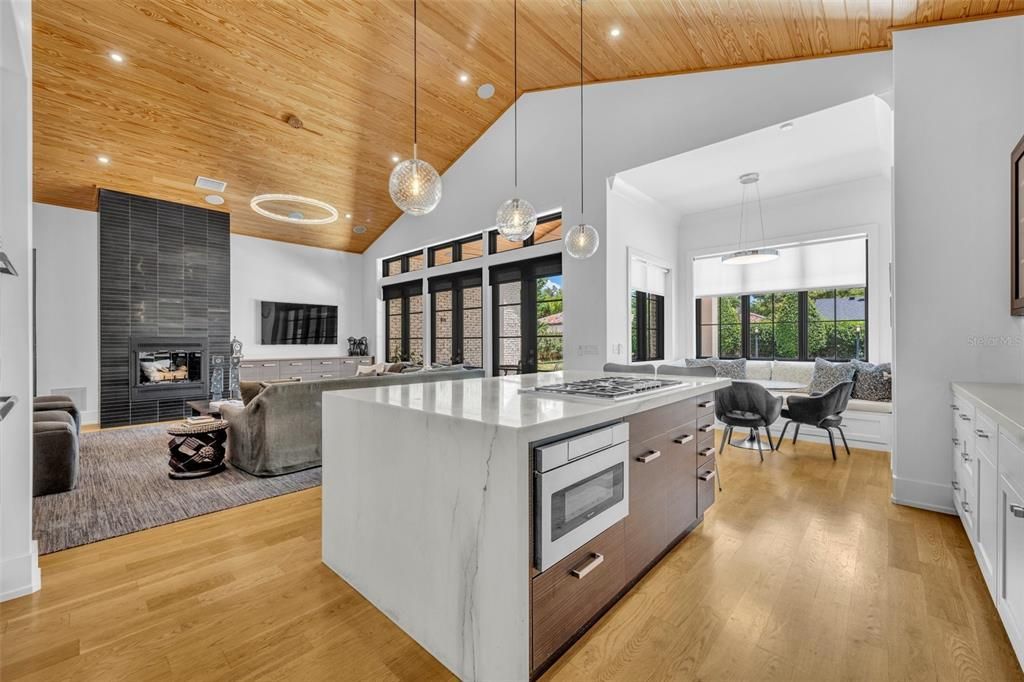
{"x": 207, "y": 86}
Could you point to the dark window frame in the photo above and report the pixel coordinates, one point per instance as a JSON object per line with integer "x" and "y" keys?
{"x": 526, "y": 272}
{"x": 803, "y": 325}
{"x": 403, "y": 259}
{"x": 492, "y": 235}
{"x": 456, "y": 247}
{"x": 457, "y": 284}
{"x": 405, "y": 293}
{"x": 644, "y": 299}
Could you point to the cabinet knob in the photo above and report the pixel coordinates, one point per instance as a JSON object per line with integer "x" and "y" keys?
{"x": 593, "y": 562}
{"x": 649, "y": 457}
{"x": 1017, "y": 511}
{"x": 684, "y": 439}
{"x": 980, "y": 434}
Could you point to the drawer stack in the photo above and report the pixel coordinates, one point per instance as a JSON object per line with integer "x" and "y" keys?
{"x": 304, "y": 369}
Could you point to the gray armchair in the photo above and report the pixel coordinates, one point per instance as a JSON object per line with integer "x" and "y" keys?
{"x": 825, "y": 411}
{"x": 49, "y": 403}
{"x": 748, "y": 406}
{"x": 54, "y": 452}
{"x": 678, "y": 370}
{"x": 629, "y": 369}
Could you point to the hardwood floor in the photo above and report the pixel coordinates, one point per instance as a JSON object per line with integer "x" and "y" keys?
{"x": 803, "y": 570}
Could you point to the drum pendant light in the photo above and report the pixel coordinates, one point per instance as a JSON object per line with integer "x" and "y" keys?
{"x": 582, "y": 240}
{"x": 415, "y": 186}
{"x": 516, "y": 219}
{"x": 750, "y": 256}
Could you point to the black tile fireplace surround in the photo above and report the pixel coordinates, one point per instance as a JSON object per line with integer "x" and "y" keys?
{"x": 165, "y": 288}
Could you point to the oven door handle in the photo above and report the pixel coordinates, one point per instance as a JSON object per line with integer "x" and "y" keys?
{"x": 583, "y": 570}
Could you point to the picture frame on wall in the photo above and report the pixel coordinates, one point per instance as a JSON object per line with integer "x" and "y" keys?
{"x": 1017, "y": 229}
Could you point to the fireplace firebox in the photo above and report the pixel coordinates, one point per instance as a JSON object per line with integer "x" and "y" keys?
{"x": 169, "y": 367}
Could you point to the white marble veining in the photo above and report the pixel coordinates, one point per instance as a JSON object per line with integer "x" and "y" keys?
{"x": 1005, "y": 402}
{"x": 426, "y": 491}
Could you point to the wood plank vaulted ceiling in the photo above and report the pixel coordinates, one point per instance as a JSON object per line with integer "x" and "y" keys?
{"x": 206, "y": 86}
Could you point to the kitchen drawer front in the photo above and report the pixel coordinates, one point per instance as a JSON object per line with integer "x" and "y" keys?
{"x": 986, "y": 436}
{"x": 707, "y": 484}
{"x": 960, "y": 406}
{"x": 567, "y": 596}
{"x": 705, "y": 404}
{"x": 268, "y": 369}
{"x": 647, "y": 425}
{"x": 706, "y": 431}
{"x": 705, "y": 454}
{"x": 681, "y": 488}
{"x": 248, "y": 371}
{"x": 347, "y": 367}
{"x": 646, "y": 527}
{"x": 290, "y": 368}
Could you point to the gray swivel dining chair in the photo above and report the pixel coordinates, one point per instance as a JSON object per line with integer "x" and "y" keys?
{"x": 825, "y": 411}
{"x": 629, "y": 369}
{"x": 749, "y": 406}
{"x": 677, "y": 370}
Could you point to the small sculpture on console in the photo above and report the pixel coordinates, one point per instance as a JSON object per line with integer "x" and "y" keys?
{"x": 234, "y": 388}
{"x": 216, "y": 378}
{"x": 353, "y": 346}
{"x": 363, "y": 346}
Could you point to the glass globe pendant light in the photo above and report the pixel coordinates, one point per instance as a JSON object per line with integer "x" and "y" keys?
{"x": 581, "y": 241}
{"x": 516, "y": 219}
{"x": 414, "y": 185}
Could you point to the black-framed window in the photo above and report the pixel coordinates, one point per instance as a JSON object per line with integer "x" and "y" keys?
{"x": 549, "y": 229}
{"x": 456, "y": 251}
{"x": 403, "y": 328}
{"x": 407, "y": 262}
{"x": 647, "y": 314}
{"x": 527, "y": 316}
{"x": 785, "y": 325}
{"x": 456, "y": 308}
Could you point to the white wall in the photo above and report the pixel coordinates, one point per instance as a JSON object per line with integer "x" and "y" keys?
{"x": 641, "y": 226}
{"x": 629, "y": 123}
{"x": 67, "y": 300}
{"x": 19, "y": 564}
{"x": 265, "y": 270}
{"x": 862, "y": 206}
{"x": 959, "y": 112}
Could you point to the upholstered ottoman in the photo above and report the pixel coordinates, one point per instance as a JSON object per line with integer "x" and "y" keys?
{"x": 54, "y": 452}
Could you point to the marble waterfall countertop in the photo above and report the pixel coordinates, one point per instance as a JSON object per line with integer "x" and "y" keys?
{"x": 426, "y": 504}
{"x": 1005, "y": 402}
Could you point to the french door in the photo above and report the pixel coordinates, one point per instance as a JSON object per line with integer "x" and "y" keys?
{"x": 456, "y": 307}
{"x": 527, "y": 306}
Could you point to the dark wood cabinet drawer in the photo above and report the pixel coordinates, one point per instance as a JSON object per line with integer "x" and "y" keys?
{"x": 706, "y": 430}
{"x": 706, "y": 485}
{"x": 705, "y": 454}
{"x": 646, "y": 526}
{"x": 567, "y": 596}
{"x": 647, "y": 425}
{"x": 681, "y": 487}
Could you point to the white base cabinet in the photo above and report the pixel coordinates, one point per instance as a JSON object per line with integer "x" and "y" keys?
{"x": 988, "y": 492}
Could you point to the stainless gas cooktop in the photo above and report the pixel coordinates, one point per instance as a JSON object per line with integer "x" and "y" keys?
{"x": 607, "y": 388}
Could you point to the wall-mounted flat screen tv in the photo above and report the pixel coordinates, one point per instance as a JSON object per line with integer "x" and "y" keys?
{"x": 297, "y": 323}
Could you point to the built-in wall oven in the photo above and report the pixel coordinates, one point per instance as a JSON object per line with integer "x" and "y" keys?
{"x": 581, "y": 490}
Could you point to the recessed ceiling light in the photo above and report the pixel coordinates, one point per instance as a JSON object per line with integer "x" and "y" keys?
{"x": 103, "y": 159}
{"x": 349, "y": 216}
{"x": 394, "y": 158}
{"x": 788, "y": 125}
{"x": 359, "y": 229}
{"x": 296, "y": 215}
{"x": 615, "y": 32}
{"x": 214, "y": 199}
{"x": 117, "y": 57}
{"x": 485, "y": 91}
{"x": 463, "y": 77}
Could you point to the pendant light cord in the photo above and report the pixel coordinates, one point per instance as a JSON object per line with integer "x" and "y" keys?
{"x": 515, "y": 96}
{"x": 415, "y": 78}
{"x": 743, "y": 204}
{"x": 581, "y": 111}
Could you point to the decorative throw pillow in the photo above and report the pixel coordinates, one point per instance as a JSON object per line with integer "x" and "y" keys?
{"x": 730, "y": 369}
{"x": 366, "y": 371}
{"x": 828, "y": 374}
{"x": 872, "y": 382}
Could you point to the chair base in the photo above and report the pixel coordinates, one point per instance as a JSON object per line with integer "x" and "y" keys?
{"x": 826, "y": 429}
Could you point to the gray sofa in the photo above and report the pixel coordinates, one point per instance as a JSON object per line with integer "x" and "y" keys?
{"x": 279, "y": 430}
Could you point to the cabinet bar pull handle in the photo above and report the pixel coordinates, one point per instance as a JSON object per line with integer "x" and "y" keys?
{"x": 325, "y": 362}
{"x": 295, "y": 378}
{"x": 349, "y": 362}
{"x": 966, "y": 457}
{"x": 706, "y": 403}
{"x": 956, "y": 441}
{"x": 593, "y": 562}
{"x": 707, "y": 476}
{"x": 269, "y": 364}
{"x": 1017, "y": 511}
{"x": 706, "y": 427}
{"x": 684, "y": 439}
{"x": 966, "y": 507}
{"x": 980, "y": 434}
{"x": 965, "y": 417}
{"x": 295, "y": 364}
{"x": 706, "y": 452}
{"x": 326, "y": 376}
{"x": 955, "y": 408}
{"x": 956, "y": 486}
{"x": 650, "y": 456}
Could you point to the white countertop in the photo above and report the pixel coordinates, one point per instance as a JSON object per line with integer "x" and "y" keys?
{"x": 499, "y": 401}
{"x": 1004, "y": 401}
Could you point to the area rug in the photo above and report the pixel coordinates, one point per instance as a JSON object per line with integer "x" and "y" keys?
{"x": 123, "y": 487}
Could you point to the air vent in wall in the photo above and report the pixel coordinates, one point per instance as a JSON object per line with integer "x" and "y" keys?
{"x": 210, "y": 184}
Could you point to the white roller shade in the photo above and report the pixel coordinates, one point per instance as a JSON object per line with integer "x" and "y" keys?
{"x": 820, "y": 265}
{"x": 644, "y": 276}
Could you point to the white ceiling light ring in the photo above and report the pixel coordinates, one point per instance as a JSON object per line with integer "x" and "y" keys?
{"x": 256, "y": 204}
{"x": 753, "y": 256}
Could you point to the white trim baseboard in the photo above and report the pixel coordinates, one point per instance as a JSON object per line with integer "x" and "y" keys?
{"x": 20, "y": 575}
{"x": 923, "y": 495}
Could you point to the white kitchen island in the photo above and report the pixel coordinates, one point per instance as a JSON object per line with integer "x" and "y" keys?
{"x": 426, "y": 504}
